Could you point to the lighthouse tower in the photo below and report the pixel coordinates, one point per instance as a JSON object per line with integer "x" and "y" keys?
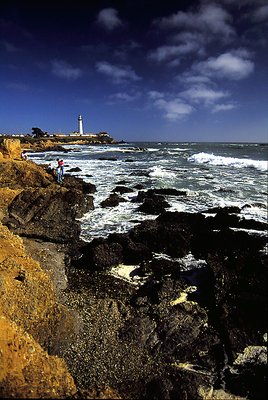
{"x": 80, "y": 125}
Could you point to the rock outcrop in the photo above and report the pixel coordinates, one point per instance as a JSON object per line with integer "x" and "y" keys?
{"x": 33, "y": 324}
{"x": 196, "y": 323}
{"x": 193, "y": 328}
{"x": 10, "y": 148}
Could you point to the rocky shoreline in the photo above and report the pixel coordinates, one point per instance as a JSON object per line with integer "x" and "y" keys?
{"x": 199, "y": 334}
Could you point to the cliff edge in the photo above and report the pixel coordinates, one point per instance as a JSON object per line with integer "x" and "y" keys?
{"x": 32, "y": 321}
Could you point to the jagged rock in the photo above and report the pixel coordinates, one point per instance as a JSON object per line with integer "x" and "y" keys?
{"x": 246, "y": 374}
{"x": 27, "y": 371}
{"x": 122, "y": 189}
{"x": 72, "y": 182}
{"x": 100, "y": 255}
{"x": 193, "y": 331}
{"x": 112, "y": 201}
{"x": 10, "y": 148}
{"x": 21, "y": 174}
{"x": 155, "y": 204}
{"x": 75, "y": 169}
{"x": 49, "y": 214}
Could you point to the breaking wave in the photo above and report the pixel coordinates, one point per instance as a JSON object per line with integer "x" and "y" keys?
{"x": 206, "y": 158}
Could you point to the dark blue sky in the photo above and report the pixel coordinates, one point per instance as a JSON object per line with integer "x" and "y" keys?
{"x": 140, "y": 70}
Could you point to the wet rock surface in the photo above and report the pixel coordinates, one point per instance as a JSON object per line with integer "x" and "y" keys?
{"x": 191, "y": 324}
{"x": 186, "y": 330}
{"x": 48, "y": 214}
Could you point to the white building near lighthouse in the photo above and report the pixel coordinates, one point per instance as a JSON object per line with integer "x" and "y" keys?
{"x": 80, "y": 125}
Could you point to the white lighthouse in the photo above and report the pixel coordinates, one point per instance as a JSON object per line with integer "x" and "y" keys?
{"x": 80, "y": 125}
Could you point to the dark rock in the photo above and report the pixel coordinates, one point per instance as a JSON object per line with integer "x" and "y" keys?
{"x": 160, "y": 389}
{"x": 139, "y": 186}
{"x": 100, "y": 255}
{"x": 160, "y": 267}
{"x": 78, "y": 183}
{"x": 112, "y": 201}
{"x": 171, "y": 237}
{"x": 133, "y": 252}
{"x": 140, "y": 173}
{"x": 169, "y": 192}
{"x": 140, "y": 330}
{"x": 151, "y": 193}
{"x": 223, "y": 210}
{"x": 76, "y": 169}
{"x": 195, "y": 336}
{"x": 225, "y": 190}
{"x": 107, "y": 158}
{"x": 154, "y": 205}
{"x": 49, "y": 214}
{"x": 123, "y": 182}
{"x": 122, "y": 189}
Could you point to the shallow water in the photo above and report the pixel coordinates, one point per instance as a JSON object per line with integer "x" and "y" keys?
{"x": 212, "y": 174}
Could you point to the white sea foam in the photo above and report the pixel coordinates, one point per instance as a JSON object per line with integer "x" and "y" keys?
{"x": 228, "y": 183}
{"x": 161, "y": 173}
{"x": 207, "y": 158}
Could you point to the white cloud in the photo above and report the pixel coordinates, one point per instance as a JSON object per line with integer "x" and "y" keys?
{"x": 164, "y": 53}
{"x": 64, "y": 70}
{"x": 189, "y": 78}
{"x": 154, "y": 94}
{"x": 232, "y": 65}
{"x": 125, "y": 97}
{"x": 109, "y": 19}
{"x": 211, "y": 17}
{"x": 118, "y": 74}
{"x": 203, "y": 94}
{"x": 223, "y": 107}
{"x": 173, "y": 109}
{"x": 261, "y": 14}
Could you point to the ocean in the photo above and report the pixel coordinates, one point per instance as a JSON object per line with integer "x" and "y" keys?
{"x": 211, "y": 174}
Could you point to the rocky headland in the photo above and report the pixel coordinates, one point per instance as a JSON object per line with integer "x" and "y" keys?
{"x": 71, "y": 329}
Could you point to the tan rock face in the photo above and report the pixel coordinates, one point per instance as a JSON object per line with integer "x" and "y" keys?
{"x": 26, "y": 370}
{"x": 21, "y": 174}
{"x": 29, "y": 317}
{"x": 10, "y": 148}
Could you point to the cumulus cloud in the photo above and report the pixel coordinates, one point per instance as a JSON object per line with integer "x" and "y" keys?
{"x": 154, "y": 94}
{"x": 108, "y": 18}
{"x": 189, "y": 78}
{"x": 203, "y": 94}
{"x": 233, "y": 65}
{"x": 211, "y": 17}
{"x": 164, "y": 53}
{"x": 64, "y": 70}
{"x": 173, "y": 109}
{"x": 118, "y": 74}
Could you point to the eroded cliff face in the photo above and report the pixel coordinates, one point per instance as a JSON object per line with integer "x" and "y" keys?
{"x": 32, "y": 322}
{"x": 29, "y": 317}
{"x": 10, "y": 148}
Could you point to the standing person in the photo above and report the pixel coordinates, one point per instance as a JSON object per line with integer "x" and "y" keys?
{"x": 59, "y": 171}
{"x": 61, "y": 164}
{"x": 58, "y": 174}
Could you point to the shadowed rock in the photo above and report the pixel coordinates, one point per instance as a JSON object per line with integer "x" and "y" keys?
{"x": 48, "y": 214}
